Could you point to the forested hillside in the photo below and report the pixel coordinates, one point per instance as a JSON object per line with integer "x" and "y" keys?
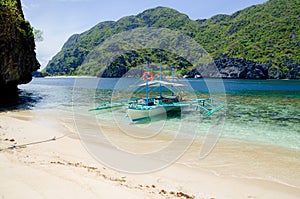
{"x": 261, "y": 41}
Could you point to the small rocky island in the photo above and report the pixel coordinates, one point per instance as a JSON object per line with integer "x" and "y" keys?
{"x": 17, "y": 47}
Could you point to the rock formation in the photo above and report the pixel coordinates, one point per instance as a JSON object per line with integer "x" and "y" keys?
{"x": 232, "y": 68}
{"x": 17, "y": 49}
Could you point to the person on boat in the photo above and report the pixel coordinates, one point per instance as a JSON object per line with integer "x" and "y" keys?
{"x": 141, "y": 101}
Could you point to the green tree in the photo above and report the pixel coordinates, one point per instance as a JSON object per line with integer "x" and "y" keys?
{"x": 38, "y": 35}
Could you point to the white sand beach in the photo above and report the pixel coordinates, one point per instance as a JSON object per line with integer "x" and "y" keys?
{"x": 61, "y": 167}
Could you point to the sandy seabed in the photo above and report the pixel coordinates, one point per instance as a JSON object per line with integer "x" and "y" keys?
{"x": 57, "y": 165}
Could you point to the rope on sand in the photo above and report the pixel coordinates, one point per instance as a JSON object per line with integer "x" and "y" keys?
{"x": 32, "y": 143}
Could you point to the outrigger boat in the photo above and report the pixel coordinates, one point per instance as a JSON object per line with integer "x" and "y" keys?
{"x": 148, "y": 107}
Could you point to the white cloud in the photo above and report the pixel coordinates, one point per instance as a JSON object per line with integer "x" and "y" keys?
{"x": 29, "y": 5}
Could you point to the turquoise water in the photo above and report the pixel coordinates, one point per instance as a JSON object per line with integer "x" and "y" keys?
{"x": 271, "y": 118}
{"x": 262, "y": 111}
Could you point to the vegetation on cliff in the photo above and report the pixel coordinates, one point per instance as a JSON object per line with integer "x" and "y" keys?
{"x": 265, "y": 35}
{"x": 17, "y": 47}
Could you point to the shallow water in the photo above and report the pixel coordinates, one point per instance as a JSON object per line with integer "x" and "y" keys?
{"x": 264, "y": 111}
{"x": 258, "y": 133}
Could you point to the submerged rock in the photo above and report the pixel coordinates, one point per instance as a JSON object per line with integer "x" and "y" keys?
{"x": 17, "y": 49}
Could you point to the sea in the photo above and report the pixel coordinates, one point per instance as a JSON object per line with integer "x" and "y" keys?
{"x": 266, "y": 111}
{"x": 255, "y": 136}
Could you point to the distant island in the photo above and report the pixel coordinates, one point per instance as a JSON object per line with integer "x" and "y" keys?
{"x": 259, "y": 42}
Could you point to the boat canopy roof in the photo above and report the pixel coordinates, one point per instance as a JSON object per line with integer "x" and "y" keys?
{"x": 157, "y": 83}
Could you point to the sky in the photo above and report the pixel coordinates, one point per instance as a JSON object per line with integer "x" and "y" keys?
{"x": 59, "y": 19}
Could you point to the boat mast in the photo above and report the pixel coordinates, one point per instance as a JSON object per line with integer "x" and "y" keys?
{"x": 160, "y": 78}
{"x": 147, "y": 83}
{"x": 172, "y": 77}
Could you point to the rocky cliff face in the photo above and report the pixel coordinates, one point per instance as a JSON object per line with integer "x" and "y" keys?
{"x": 17, "y": 49}
{"x": 238, "y": 68}
{"x": 232, "y": 68}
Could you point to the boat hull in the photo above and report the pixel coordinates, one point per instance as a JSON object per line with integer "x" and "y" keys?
{"x": 140, "y": 114}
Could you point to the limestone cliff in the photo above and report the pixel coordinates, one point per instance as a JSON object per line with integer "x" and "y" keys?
{"x": 17, "y": 49}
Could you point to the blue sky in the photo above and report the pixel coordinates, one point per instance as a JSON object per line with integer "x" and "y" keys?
{"x": 59, "y": 19}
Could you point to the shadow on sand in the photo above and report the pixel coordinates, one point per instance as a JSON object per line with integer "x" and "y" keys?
{"x": 23, "y": 100}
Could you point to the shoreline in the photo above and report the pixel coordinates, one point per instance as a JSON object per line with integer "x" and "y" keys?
{"x": 70, "y": 170}
{"x": 62, "y": 76}
{"x": 167, "y": 77}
